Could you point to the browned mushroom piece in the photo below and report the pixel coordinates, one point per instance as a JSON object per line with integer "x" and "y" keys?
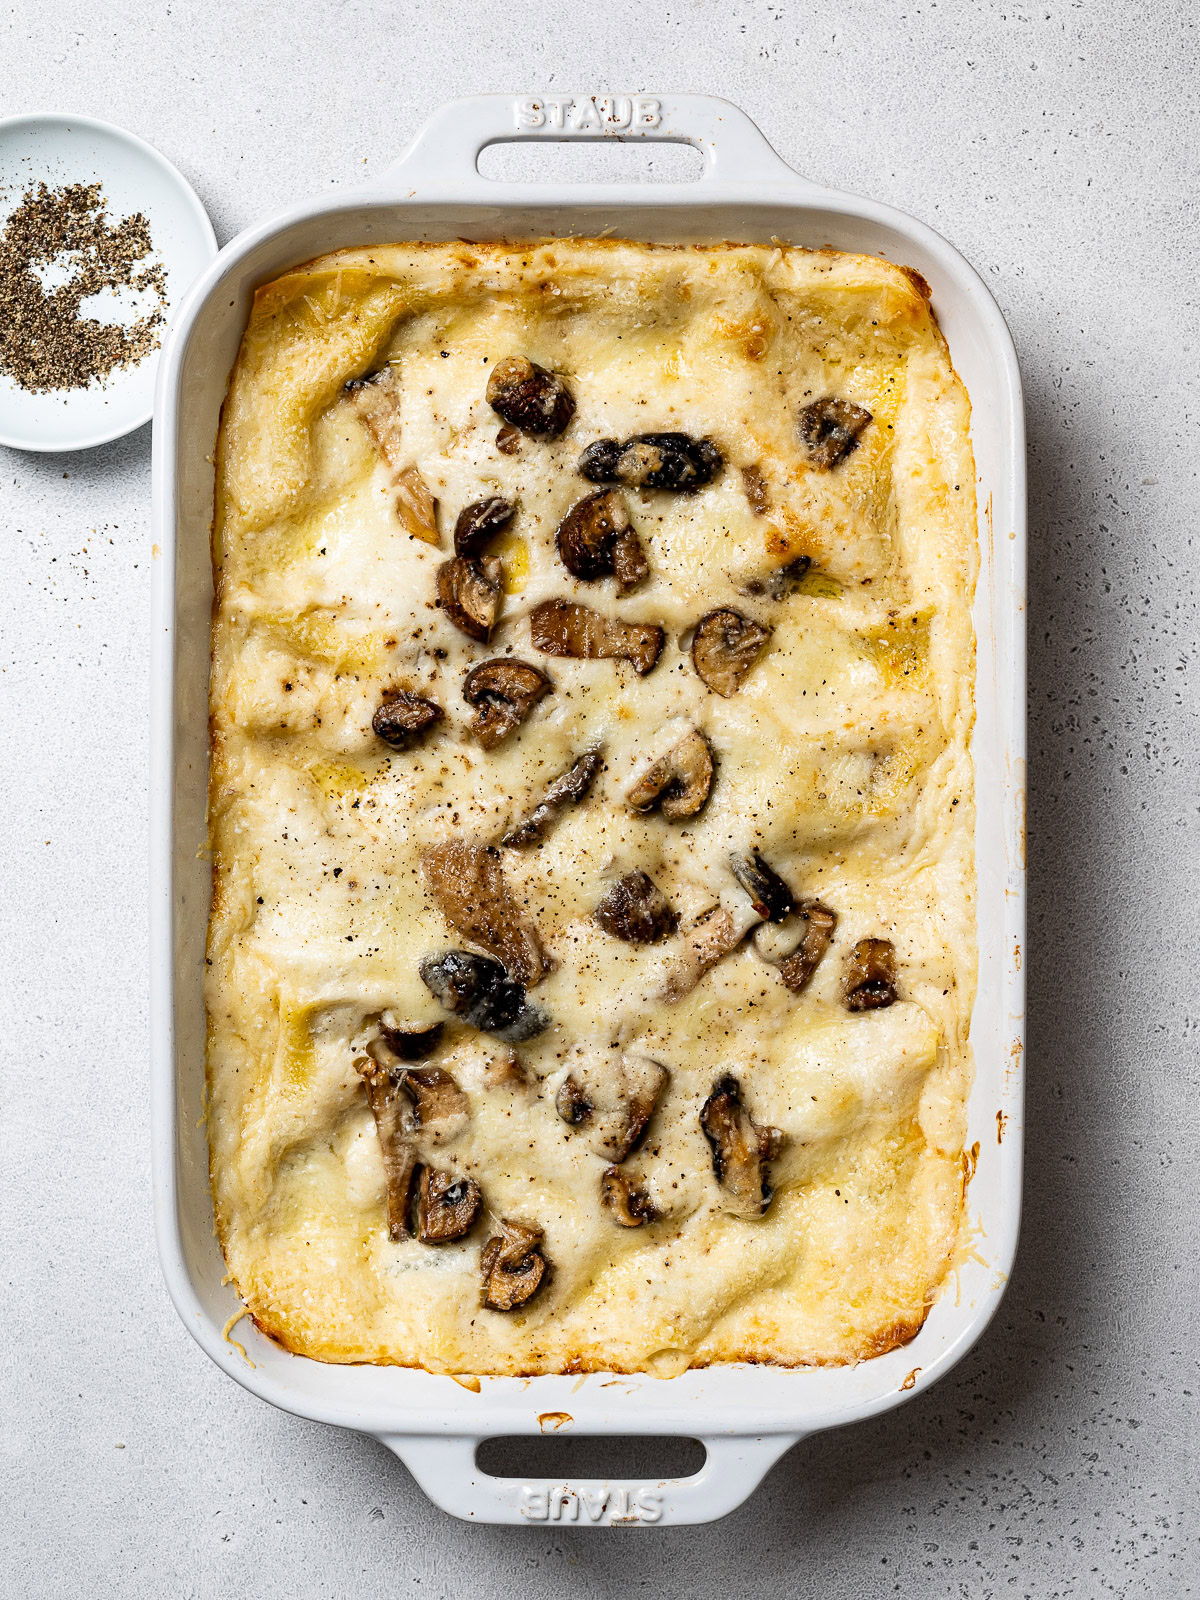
{"x": 480, "y": 992}
{"x": 598, "y": 463}
{"x": 871, "y": 975}
{"x": 611, "y": 1096}
{"x": 467, "y": 883}
{"x": 562, "y": 628}
{"x": 376, "y": 399}
{"x": 636, "y": 910}
{"x": 529, "y": 397}
{"x": 416, "y": 506}
{"x": 479, "y": 523}
{"x": 781, "y": 581}
{"x": 407, "y": 1043}
{"x": 758, "y": 496}
{"x": 740, "y": 1149}
{"x": 679, "y": 782}
{"x": 512, "y": 1265}
{"x": 445, "y": 1207}
{"x": 395, "y": 1124}
{"x": 508, "y": 440}
{"x": 402, "y": 718}
{"x": 568, "y": 789}
{"x": 714, "y": 935}
{"x": 630, "y": 566}
{"x": 674, "y": 461}
{"x": 627, "y": 1204}
{"x": 382, "y": 1054}
{"x": 503, "y": 693}
{"x": 596, "y": 538}
{"x": 830, "y": 429}
{"x": 440, "y": 1108}
{"x": 587, "y": 533}
{"x": 725, "y": 646}
{"x": 469, "y": 593}
{"x": 571, "y": 1101}
{"x": 677, "y": 462}
{"x": 769, "y": 894}
{"x": 797, "y": 969}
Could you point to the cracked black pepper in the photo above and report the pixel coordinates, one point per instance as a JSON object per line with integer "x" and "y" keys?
{"x": 45, "y": 342}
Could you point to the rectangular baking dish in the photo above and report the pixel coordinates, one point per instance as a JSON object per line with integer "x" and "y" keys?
{"x": 746, "y": 1416}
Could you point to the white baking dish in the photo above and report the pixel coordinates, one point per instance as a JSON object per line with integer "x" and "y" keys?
{"x": 746, "y": 1416}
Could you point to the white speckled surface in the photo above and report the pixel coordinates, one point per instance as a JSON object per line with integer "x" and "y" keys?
{"x": 1057, "y": 146}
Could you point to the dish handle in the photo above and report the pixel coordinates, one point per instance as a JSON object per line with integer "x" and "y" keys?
{"x": 445, "y": 1467}
{"x": 445, "y": 153}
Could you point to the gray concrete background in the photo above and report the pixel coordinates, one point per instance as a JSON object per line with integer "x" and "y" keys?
{"x": 1056, "y": 145}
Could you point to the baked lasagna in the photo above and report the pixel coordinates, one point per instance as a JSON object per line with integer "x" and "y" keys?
{"x": 592, "y": 946}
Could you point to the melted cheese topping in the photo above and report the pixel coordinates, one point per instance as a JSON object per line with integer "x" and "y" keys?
{"x": 843, "y": 758}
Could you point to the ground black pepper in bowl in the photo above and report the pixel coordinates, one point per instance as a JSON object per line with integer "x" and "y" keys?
{"x": 45, "y": 343}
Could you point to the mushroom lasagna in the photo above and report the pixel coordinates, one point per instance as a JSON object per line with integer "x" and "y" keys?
{"x": 592, "y": 948}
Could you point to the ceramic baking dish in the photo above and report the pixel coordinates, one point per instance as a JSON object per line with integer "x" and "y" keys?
{"x": 746, "y": 1416}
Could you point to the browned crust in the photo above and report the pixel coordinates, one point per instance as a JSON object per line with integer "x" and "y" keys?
{"x": 893, "y": 1336}
{"x": 919, "y": 283}
{"x": 464, "y": 257}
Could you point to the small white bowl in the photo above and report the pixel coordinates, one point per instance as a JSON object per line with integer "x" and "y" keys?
{"x": 60, "y": 149}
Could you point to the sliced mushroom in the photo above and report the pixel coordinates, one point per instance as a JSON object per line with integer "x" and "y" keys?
{"x": 468, "y": 886}
{"x": 568, "y": 789}
{"x": 740, "y": 1149}
{"x": 479, "y": 523}
{"x": 596, "y": 538}
{"x": 416, "y": 506}
{"x": 598, "y": 463}
{"x": 673, "y": 461}
{"x": 679, "y": 782}
{"x": 588, "y": 532}
{"x": 382, "y": 1054}
{"x": 376, "y": 398}
{"x": 571, "y": 1102}
{"x": 529, "y": 397}
{"x": 440, "y": 1108}
{"x": 830, "y": 429}
{"x": 508, "y": 440}
{"x": 503, "y": 693}
{"x": 780, "y": 582}
{"x": 758, "y": 497}
{"x": 445, "y": 1207}
{"x": 725, "y": 646}
{"x": 377, "y": 401}
{"x": 561, "y": 628}
{"x": 712, "y": 936}
{"x": 405, "y": 1043}
{"x": 469, "y": 593}
{"x": 395, "y": 1125}
{"x": 611, "y": 1096}
{"x": 403, "y": 718}
{"x": 636, "y": 910}
{"x": 630, "y": 566}
{"x": 512, "y": 1265}
{"x": 481, "y": 992}
{"x": 768, "y": 893}
{"x": 871, "y": 975}
{"x": 628, "y": 1205}
{"x": 797, "y": 969}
